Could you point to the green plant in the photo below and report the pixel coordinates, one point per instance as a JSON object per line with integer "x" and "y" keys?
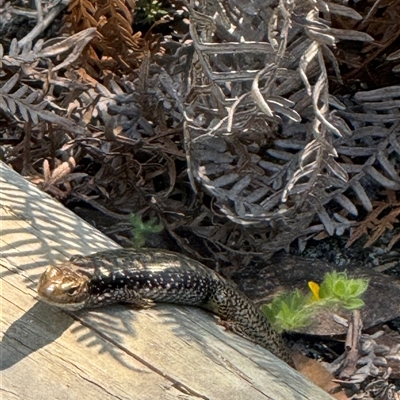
{"x": 141, "y": 229}
{"x": 290, "y": 311}
{"x": 338, "y": 288}
{"x": 295, "y": 310}
{"x": 149, "y": 11}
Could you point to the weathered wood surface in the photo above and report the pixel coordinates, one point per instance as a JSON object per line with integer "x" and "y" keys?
{"x": 168, "y": 352}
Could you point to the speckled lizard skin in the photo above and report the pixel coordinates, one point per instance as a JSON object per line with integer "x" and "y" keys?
{"x": 145, "y": 276}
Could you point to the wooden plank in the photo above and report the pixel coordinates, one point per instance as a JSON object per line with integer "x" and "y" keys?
{"x": 167, "y": 352}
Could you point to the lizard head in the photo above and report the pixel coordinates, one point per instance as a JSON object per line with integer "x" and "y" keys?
{"x": 64, "y": 288}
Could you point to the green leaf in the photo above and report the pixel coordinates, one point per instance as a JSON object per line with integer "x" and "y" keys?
{"x": 354, "y": 303}
{"x": 339, "y": 289}
{"x": 285, "y": 309}
{"x": 269, "y": 313}
{"x": 142, "y": 229}
{"x": 358, "y": 287}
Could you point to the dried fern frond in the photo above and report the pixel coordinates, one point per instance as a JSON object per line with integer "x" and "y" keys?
{"x": 26, "y": 103}
{"x": 117, "y": 48}
{"x": 232, "y": 116}
{"x": 383, "y": 216}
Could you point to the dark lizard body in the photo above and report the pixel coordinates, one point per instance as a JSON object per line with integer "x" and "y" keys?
{"x": 142, "y": 277}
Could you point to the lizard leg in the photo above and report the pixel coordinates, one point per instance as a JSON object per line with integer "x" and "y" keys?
{"x": 124, "y": 294}
{"x": 132, "y": 297}
{"x": 234, "y": 327}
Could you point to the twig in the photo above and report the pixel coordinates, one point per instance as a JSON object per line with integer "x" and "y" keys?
{"x": 351, "y": 346}
{"x": 99, "y": 207}
{"x": 39, "y": 10}
{"x": 42, "y": 23}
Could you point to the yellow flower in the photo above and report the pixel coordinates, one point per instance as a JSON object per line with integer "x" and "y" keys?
{"x": 314, "y": 287}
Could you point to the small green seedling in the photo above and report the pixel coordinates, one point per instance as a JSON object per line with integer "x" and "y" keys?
{"x": 337, "y": 288}
{"x": 142, "y": 229}
{"x": 149, "y": 11}
{"x": 290, "y": 311}
{"x": 295, "y": 310}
